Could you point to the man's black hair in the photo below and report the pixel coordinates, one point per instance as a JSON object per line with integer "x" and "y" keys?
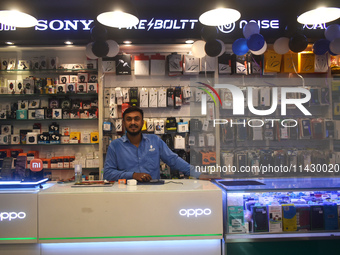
{"x": 133, "y": 109}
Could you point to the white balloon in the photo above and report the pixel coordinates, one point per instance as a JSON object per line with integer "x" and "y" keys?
{"x": 261, "y": 51}
{"x": 281, "y": 45}
{"x": 197, "y": 49}
{"x": 113, "y": 48}
{"x": 89, "y": 52}
{"x": 334, "y": 46}
{"x": 223, "y": 48}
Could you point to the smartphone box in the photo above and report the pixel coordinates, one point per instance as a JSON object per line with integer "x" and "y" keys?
{"x": 289, "y": 220}
{"x": 236, "y": 220}
{"x": 275, "y": 218}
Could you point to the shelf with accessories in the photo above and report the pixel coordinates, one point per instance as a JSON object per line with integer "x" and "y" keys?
{"x": 49, "y": 91}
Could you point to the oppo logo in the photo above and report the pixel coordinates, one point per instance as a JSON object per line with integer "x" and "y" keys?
{"x": 194, "y": 212}
{"x": 12, "y": 216}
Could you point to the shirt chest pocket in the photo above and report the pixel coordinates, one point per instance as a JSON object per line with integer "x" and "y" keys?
{"x": 152, "y": 159}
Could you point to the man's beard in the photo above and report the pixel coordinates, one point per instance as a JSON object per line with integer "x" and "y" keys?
{"x": 134, "y": 133}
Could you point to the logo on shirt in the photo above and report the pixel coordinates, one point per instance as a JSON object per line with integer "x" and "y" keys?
{"x": 151, "y": 148}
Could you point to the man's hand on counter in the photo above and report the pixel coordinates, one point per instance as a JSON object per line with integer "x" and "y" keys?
{"x": 141, "y": 177}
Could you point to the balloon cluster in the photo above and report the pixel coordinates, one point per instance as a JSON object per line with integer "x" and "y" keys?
{"x": 332, "y": 42}
{"x": 253, "y": 41}
{"x": 210, "y": 45}
{"x": 101, "y": 47}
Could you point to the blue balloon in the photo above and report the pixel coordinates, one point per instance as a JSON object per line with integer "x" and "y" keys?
{"x": 240, "y": 47}
{"x": 321, "y": 46}
{"x": 250, "y": 29}
{"x": 255, "y": 42}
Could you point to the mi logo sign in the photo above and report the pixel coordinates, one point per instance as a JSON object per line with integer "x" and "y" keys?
{"x": 36, "y": 165}
{"x": 238, "y": 100}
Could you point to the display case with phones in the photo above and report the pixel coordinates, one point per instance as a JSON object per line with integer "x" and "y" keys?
{"x": 282, "y": 208}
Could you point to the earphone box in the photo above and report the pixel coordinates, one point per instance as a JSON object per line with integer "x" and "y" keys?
{"x": 92, "y": 87}
{"x": 53, "y": 62}
{"x": 53, "y": 128}
{"x": 83, "y": 114}
{"x": 63, "y": 79}
{"x": 33, "y": 104}
{"x": 85, "y": 137}
{"x": 11, "y": 85}
{"x": 55, "y": 138}
{"x": 94, "y": 137}
{"x": 31, "y": 114}
{"x": 21, "y": 115}
{"x": 119, "y": 125}
{"x": 31, "y": 138}
{"x": 19, "y": 87}
{"x": 65, "y": 131}
{"x": 93, "y": 113}
{"x": 35, "y": 63}
{"x": 74, "y": 137}
{"x": 28, "y": 86}
{"x": 159, "y": 126}
{"x": 61, "y": 88}
{"x": 4, "y": 63}
{"x": 15, "y": 139}
{"x": 70, "y": 87}
{"x": 42, "y": 63}
{"x": 44, "y": 138}
{"x": 91, "y": 64}
{"x": 93, "y": 78}
{"x": 3, "y": 114}
{"x": 161, "y": 97}
{"x": 57, "y": 114}
{"x": 6, "y": 129}
{"x": 81, "y": 87}
{"x": 74, "y": 114}
{"x": 65, "y": 139}
{"x": 12, "y": 64}
{"x": 39, "y": 114}
{"x": 183, "y": 127}
{"x": 5, "y": 139}
{"x": 22, "y": 104}
{"x": 83, "y": 77}
{"x": 24, "y": 64}
{"x": 73, "y": 78}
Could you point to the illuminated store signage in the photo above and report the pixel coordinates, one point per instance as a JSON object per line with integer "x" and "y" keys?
{"x": 64, "y": 25}
{"x": 9, "y": 216}
{"x": 167, "y": 24}
{"x": 263, "y": 24}
{"x": 194, "y": 212}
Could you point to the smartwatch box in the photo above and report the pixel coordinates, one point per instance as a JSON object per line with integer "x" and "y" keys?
{"x": 21, "y": 114}
{"x": 32, "y": 138}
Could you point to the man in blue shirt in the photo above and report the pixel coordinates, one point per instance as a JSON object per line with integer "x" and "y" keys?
{"x": 137, "y": 156}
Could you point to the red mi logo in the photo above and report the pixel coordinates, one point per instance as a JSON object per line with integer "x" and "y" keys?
{"x": 36, "y": 165}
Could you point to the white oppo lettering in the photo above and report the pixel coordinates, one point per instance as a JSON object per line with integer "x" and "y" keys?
{"x": 238, "y": 100}
{"x": 194, "y": 212}
{"x": 12, "y": 216}
{"x": 63, "y": 25}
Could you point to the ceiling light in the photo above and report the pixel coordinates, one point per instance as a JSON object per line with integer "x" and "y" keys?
{"x": 219, "y": 17}
{"x": 319, "y": 16}
{"x": 17, "y": 19}
{"x": 127, "y": 42}
{"x": 118, "y": 14}
{"x": 189, "y": 41}
{"x": 68, "y": 42}
{"x": 9, "y": 43}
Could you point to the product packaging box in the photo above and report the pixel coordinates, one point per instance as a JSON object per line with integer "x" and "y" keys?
{"x": 331, "y": 216}
{"x": 141, "y": 65}
{"x": 55, "y": 138}
{"x": 275, "y": 218}
{"x": 21, "y": 114}
{"x": 303, "y": 217}
{"x": 236, "y": 219}
{"x": 74, "y": 137}
{"x": 94, "y": 137}
{"x": 317, "y": 217}
{"x": 260, "y": 219}
{"x": 289, "y": 217}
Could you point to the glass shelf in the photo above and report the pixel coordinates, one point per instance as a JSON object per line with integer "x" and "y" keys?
{"x": 83, "y": 168}
{"x": 58, "y": 71}
{"x": 46, "y": 120}
{"x": 61, "y": 95}
{"x": 47, "y": 144}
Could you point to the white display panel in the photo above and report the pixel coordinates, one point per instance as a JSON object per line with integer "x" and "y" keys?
{"x": 173, "y": 211}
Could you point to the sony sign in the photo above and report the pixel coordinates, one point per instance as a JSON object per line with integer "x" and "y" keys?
{"x": 9, "y": 216}
{"x": 238, "y": 100}
{"x": 65, "y": 25}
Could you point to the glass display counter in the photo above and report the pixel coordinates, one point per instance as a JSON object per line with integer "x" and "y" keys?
{"x": 281, "y": 209}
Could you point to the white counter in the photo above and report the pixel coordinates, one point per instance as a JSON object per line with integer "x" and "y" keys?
{"x": 182, "y": 217}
